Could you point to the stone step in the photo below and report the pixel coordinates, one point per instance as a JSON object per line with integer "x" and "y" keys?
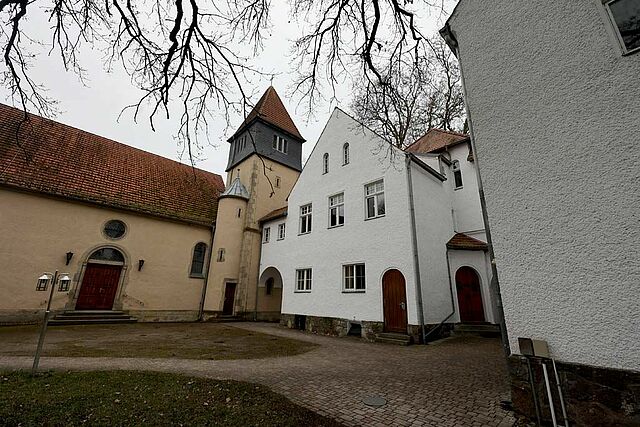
{"x": 480, "y": 329}
{"x": 393, "y": 338}
{"x": 94, "y": 321}
{"x": 90, "y": 316}
{"x": 91, "y": 312}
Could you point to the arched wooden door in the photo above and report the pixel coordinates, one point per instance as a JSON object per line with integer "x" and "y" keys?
{"x": 469, "y": 295}
{"x": 100, "y": 281}
{"x": 394, "y": 301}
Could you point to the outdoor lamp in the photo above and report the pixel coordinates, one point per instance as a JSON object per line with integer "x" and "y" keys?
{"x": 69, "y": 256}
{"x": 140, "y": 264}
{"x": 64, "y": 283}
{"x": 43, "y": 282}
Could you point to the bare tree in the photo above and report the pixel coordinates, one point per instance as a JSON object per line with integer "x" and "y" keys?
{"x": 194, "y": 58}
{"x": 415, "y": 98}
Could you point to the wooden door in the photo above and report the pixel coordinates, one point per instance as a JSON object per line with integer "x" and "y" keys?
{"x": 469, "y": 295}
{"x": 394, "y": 299}
{"x": 99, "y": 287}
{"x": 229, "y": 298}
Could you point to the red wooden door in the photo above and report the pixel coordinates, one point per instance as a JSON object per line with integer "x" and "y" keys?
{"x": 469, "y": 295}
{"x": 229, "y": 297}
{"x": 394, "y": 299}
{"x": 99, "y": 287}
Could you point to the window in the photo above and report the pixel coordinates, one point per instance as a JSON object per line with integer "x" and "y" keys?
{"x": 280, "y": 144}
{"x": 336, "y": 210}
{"x": 220, "y": 255}
{"x": 303, "y": 280}
{"x": 277, "y": 182}
{"x": 345, "y": 154}
{"x": 305, "y": 219}
{"x": 281, "y": 231}
{"x": 107, "y": 254}
{"x": 266, "y": 234}
{"x": 197, "y": 263}
{"x": 625, "y": 16}
{"x": 114, "y": 229}
{"x": 353, "y": 277}
{"x": 457, "y": 174}
{"x": 325, "y": 163}
{"x": 374, "y": 196}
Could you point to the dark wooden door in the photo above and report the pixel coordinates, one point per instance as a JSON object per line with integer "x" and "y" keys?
{"x": 394, "y": 299}
{"x": 469, "y": 295}
{"x": 99, "y": 287}
{"x": 229, "y": 297}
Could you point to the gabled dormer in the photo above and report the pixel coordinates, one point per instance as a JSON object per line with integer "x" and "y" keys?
{"x": 270, "y": 131}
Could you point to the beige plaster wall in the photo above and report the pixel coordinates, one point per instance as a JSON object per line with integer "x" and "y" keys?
{"x": 260, "y": 180}
{"x": 38, "y": 231}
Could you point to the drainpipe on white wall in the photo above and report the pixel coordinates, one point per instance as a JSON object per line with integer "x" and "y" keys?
{"x": 414, "y": 243}
{"x": 206, "y": 279}
{"x": 448, "y": 35}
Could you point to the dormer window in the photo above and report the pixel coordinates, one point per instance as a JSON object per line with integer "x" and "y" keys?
{"x": 325, "y": 163}
{"x": 457, "y": 174}
{"x": 280, "y": 144}
{"x": 345, "y": 154}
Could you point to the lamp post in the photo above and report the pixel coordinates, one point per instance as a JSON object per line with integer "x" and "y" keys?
{"x": 43, "y": 282}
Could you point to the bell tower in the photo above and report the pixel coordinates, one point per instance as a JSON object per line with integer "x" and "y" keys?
{"x": 265, "y": 160}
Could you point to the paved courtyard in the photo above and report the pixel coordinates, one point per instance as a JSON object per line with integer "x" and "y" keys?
{"x": 455, "y": 382}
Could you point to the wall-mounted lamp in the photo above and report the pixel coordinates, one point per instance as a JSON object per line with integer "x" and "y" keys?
{"x": 140, "y": 264}
{"x": 64, "y": 283}
{"x": 69, "y": 256}
{"x": 43, "y": 282}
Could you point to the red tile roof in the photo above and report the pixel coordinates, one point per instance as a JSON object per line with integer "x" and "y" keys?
{"x": 278, "y": 213}
{"x": 60, "y": 160}
{"x": 437, "y": 139}
{"x": 463, "y": 242}
{"x": 271, "y": 109}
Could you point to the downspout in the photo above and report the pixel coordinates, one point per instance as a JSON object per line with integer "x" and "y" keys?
{"x": 206, "y": 279}
{"x": 495, "y": 284}
{"x": 414, "y": 243}
{"x": 453, "y": 305}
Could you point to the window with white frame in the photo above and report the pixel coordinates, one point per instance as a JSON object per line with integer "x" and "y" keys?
{"x": 374, "y": 199}
{"x": 345, "y": 154}
{"x": 625, "y": 16}
{"x": 353, "y": 278}
{"x": 303, "y": 280}
{"x": 325, "y": 163}
{"x": 281, "y": 231}
{"x": 305, "y": 219}
{"x": 336, "y": 210}
{"x": 266, "y": 234}
{"x": 457, "y": 174}
{"x": 280, "y": 144}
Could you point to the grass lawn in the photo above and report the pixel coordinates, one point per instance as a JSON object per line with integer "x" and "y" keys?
{"x": 135, "y": 398}
{"x": 211, "y": 341}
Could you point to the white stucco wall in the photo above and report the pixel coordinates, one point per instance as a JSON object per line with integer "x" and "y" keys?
{"x": 434, "y": 225}
{"x": 380, "y": 243}
{"x": 466, "y": 200}
{"x": 555, "y": 109}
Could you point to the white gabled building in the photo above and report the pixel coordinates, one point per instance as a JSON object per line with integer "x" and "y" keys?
{"x": 368, "y": 235}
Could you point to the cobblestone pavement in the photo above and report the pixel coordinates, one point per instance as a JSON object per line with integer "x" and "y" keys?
{"x": 454, "y": 382}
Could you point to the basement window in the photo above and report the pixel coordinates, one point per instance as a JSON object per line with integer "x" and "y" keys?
{"x": 625, "y": 17}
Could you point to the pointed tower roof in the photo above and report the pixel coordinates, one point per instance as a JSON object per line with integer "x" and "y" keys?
{"x": 236, "y": 189}
{"x": 271, "y": 110}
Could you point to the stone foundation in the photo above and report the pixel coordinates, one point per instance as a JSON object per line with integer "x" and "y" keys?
{"x": 164, "y": 315}
{"x": 593, "y": 395}
{"x": 340, "y": 327}
{"x": 22, "y": 317}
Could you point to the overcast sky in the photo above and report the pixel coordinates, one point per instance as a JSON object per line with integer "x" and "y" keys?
{"x": 96, "y": 106}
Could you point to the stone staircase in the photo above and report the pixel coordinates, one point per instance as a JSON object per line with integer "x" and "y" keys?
{"x": 477, "y": 329}
{"x": 91, "y": 317}
{"x": 393, "y": 338}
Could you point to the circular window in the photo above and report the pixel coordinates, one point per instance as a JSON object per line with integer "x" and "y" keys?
{"x": 115, "y": 229}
